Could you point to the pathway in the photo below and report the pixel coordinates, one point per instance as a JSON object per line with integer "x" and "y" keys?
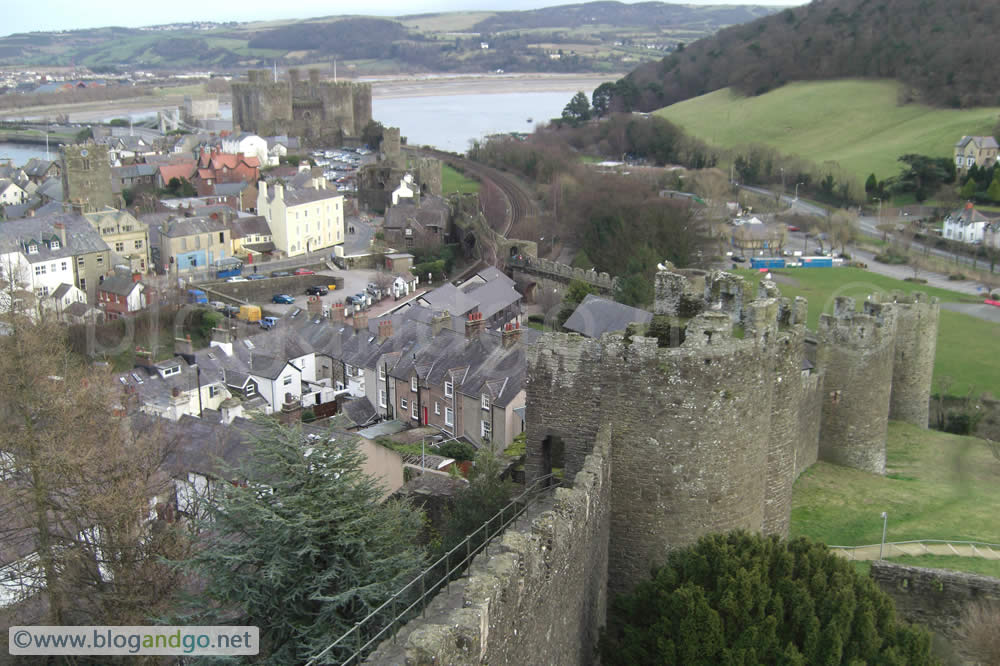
{"x": 915, "y": 548}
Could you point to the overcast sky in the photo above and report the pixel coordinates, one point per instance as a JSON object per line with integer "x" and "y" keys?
{"x": 29, "y": 15}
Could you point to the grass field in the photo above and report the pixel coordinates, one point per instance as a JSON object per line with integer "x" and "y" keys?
{"x": 455, "y": 181}
{"x": 938, "y": 486}
{"x": 969, "y": 564}
{"x": 966, "y": 345}
{"x": 853, "y": 122}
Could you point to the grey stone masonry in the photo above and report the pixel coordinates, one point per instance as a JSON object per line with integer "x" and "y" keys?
{"x": 913, "y": 367}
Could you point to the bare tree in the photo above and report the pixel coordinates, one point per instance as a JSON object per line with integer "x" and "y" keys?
{"x": 843, "y": 228}
{"x": 979, "y": 631}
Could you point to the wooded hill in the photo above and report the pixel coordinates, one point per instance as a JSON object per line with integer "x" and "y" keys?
{"x": 940, "y": 50}
{"x": 592, "y": 37}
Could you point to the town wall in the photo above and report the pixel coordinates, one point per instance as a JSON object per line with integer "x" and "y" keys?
{"x": 936, "y": 598}
{"x": 810, "y": 413}
{"x": 916, "y": 341}
{"x": 560, "y": 272}
{"x": 539, "y": 597}
{"x": 856, "y": 351}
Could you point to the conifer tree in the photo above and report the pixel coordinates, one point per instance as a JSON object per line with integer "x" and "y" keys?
{"x": 301, "y": 545}
{"x": 740, "y": 598}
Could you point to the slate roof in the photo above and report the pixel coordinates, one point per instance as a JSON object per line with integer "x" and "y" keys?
{"x": 186, "y": 226}
{"x": 37, "y": 167}
{"x": 230, "y": 189}
{"x": 431, "y": 212}
{"x": 299, "y": 196}
{"x": 154, "y": 389}
{"x": 596, "y": 316}
{"x": 360, "y": 411}
{"x": 81, "y": 238}
{"x": 122, "y": 285}
{"x": 133, "y": 171}
{"x": 51, "y": 188}
{"x": 980, "y": 141}
{"x": 61, "y": 291}
{"x": 248, "y": 226}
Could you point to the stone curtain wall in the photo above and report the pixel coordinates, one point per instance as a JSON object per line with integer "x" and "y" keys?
{"x": 539, "y": 598}
{"x": 810, "y": 413}
{"x": 561, "y": 272}
{"x": 935, "y": 598}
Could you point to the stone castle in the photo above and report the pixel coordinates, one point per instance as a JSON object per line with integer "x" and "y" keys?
{"x": 699, "y": 424}
{"x": 321, "y": 113}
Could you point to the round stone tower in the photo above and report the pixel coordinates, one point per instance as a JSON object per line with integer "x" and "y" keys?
{"x": 856, "y": 352}
{"x": 913, "y": 367}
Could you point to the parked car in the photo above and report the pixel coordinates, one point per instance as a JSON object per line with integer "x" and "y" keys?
{"x": 268, "y": 323}
{"x": 792, "y": 227}
{"x": 738, "y": 258}
{"x": 236, "y": 278}
{"x": 280, "y": 274}
{"x": 218, "y": 306}
{"x": 304, "y": 271}
{"x": 256, "y": 277}
{"x": 284, "y": 299}
{"x": 317, "y": 290}
{"x": 230, "y": 311}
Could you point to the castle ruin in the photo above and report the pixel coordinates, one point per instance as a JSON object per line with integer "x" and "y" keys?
{"x": 321, "y": 113}
{"x": 699, "y": 424}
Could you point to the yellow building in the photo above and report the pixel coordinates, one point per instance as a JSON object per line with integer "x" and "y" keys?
{"x": 127, "y": 237}
{"x": 302, "y": 220}
{"x": 978, "y": 150}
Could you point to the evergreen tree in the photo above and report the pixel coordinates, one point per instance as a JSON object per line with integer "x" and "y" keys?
{"x": 993, "y": 193}
{"x": 485, "y": 495}
{"x": 578, "y": 109}
{"x": 739, "y": 598}
{"x": 969, "y": 189}
{"x": 302, "y": 546}
{"x": 871, "y": 185}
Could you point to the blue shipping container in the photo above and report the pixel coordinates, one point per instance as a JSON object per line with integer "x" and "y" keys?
{"x": 197, "y": 296}
{"x": 817, "y": 262}
{"x": 767, "y": 262}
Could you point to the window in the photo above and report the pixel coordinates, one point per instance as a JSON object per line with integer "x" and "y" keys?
{"x": 40, "y": 269}
{"x": 437, "y": 407}
{"x": 486, "y": 402}
{"x": 100, "y": 260}
{"x": 413, "y": 409}
{"x": 413, "y": 384}
{"x": 485, "y": 430}
{"x": 449, "y": 389}
{"x": 402, "y": 404}
{"x": 42, "y": 291}
{"x": 381, "y": 372}
{"x": 83, "y": 284}
{"x": 54, "y": 244}
{"x": 119, "y": 246}
{"x": 381, "y": 398}
{"x": 222, "y": 237}
{"x": 79, "y": 261}
{"x": 32, "y": 249}
{"x": 287, "y": 380}
{"x": 251, "y": 389}
{"x": 449, "y": 416}
{"x": 213, "y": 391}
{"x": 138, "y": 245}
{"x": 64, "y": 266}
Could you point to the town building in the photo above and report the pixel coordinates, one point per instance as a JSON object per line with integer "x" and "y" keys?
{"x": 120, "y": 295}
{"x": 302, "y": 220}
{"x": 250, "y": 145}
{"x": 86, "y": 178}
{"x": 125, "y": 235}
{"x": 193, "y": 243}
{"x": 967, "y": 225}
{"x": 11, "y": 194}
{"x": 978, "y": 150}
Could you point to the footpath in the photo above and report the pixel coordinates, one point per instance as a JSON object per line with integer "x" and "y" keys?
{"x": 916, "y": 548}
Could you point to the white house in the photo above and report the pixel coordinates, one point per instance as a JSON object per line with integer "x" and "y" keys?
{"x": 303, "y": 220}
{"x": 11, "y": 194}
{"x": 250, "y": 145}
{"x": 64, "y": 296}
{"x": 966, "y": 226}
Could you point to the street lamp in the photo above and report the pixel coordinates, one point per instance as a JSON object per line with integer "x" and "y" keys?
{"x": 885, "y": 524}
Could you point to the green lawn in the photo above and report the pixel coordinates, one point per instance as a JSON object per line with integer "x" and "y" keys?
{"x": 965, "y": 349}
{"x": 455, "y": 181}
{"x": 938, "y": 486}
{"x": 856, "y": 123}
{"x": 969, "y": 564}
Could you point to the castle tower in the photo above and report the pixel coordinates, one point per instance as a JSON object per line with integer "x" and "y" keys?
{"x": 856, "y": 352}
{"x": 86, "y": 177}
{"x": 392, "y": 152}
{"x": 913, "y": 368}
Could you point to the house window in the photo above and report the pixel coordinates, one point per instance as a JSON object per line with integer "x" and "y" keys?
{"x": 100, "y": 260}
{"x": 486, "y": 402}
{"x": 32, "y": 249}
{"x": 485, "y": 430}
{"x": 437, "y": 408}
{"x": 413, "y": 409}
{"x": 251, "y": 389}
{"x": 40, "y": 269}
{"x": 64, "y": 266}
{"x": 119, "y": 246}
{"x": 413, "y": 384}
{"x": 449, "y": 389}
{"x": 54, "y": 245}
{"x": 222, "y": 237}
{"x": 402, "y": 404}
{"x": 213, "y": 391}
{"x": 287, "y": 381}
{"x": 79, "y": 261}
{"x": 42, "y": 291}
{"x": 381, "y": 398}
{"x": 83, "y": 284}
{"x": 449, "y": 416}
{"x": 381, "y": 372}
{"x": 138, "y": 245}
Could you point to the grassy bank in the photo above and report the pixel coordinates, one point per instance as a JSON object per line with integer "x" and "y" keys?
{"x": 453, "y": 181}
{"x": 857, "y": 123}
{"x": 938, "y": 486}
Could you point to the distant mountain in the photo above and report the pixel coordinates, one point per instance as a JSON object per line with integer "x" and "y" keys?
{"x": 941, "y": 50}
{"x": 594, "y": 37}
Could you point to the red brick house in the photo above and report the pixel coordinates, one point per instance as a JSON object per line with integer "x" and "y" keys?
{"x": 120, "y": 295}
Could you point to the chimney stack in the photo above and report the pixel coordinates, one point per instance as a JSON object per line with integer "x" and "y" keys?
{"x": 279, "y": 192}
{"x": 61, "y": 232}
{"x": 337, "y": 313}
{"x": 440, "y": 321}
{"x": 360, "y": 321}
{"x": 384, "y": 330}
{"x": 511, "y": 335}
{"x": 474, "y": 326}
{"x": 291, "y": 411}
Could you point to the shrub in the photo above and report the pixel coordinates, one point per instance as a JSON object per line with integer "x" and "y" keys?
{"x": 957, "y": 277}
{"x": 915, "y": 279}
{"x": 890, "y": 257}
{"x": 457, "y": 450}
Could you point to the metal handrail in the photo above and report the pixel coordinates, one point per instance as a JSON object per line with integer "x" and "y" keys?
{"x": 903, "y": 543}
{"x": 516, "y": 507}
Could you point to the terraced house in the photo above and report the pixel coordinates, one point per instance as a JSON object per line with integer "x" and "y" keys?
{"x": 303, "y": 219}
{"x": 126, "y": 236}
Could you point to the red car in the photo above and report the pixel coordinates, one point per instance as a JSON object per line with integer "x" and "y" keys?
{"x": 792, "y": 227}
{"x": 304, "y": 271}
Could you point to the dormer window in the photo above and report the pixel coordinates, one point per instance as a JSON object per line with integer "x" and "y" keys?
{"x": 33, "y": 248}
{"x": 54, "y": 244}
{"x": 486, "y": 402}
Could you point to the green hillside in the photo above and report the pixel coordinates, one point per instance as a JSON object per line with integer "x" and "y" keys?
{"x": 856, "y": 123}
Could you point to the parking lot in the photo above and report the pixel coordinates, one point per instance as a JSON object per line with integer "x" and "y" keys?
{"x": 354, "y": 281}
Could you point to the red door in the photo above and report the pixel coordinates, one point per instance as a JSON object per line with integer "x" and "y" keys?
{"x": 425, "y": 417}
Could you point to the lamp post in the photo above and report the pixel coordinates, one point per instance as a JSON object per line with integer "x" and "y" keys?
{"x": 885, "y": 524}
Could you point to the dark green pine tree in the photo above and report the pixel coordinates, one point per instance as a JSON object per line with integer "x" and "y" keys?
{"x": 303, "y": 547}
{"x": 994, "y": 191}
{"x": 740, "y": 598}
